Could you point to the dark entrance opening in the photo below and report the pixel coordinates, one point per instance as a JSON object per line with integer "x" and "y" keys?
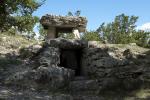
{"x": 70, "y": 58}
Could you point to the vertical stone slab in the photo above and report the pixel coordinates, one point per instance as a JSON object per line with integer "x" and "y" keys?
{"x": 51, "y": 34}
{"x": 76, "y": 33}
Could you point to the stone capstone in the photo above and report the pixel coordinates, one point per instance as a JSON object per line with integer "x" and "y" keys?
{"x": 64, "y": 21}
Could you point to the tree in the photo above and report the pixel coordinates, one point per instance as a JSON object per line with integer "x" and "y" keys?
{"x": 26, "y": 23}
{"x": 70, "y": 13}
{"x": 42, "y": 31}
{"x": 11, "y": 10}
{"x": 141, "y": 38}
{"x": 91, "y": 36}
{"x": 105, "y": 31}
{"x": 77, "y": 13}
{"x": 120, "y": 30}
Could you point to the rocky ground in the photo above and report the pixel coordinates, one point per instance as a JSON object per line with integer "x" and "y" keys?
{"x": 103, "y": 87}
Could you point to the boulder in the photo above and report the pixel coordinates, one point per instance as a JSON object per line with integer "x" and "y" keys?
{"x": 50, "y": 78}
{"x": 49, "y": 56}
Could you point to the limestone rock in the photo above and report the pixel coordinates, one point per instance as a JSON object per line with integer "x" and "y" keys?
{"x": 30, "y": 51}
{"x": 128, "y": 54}
{"x": 49, "y": 56}
{"x": 101, "y": 70}
{"x": 97, "y": 62}
{"x": 67, "y": 44}
{"x": 43, "y": 77}
{"x": 64, "y": 21}
{"x": 84, "y": 87}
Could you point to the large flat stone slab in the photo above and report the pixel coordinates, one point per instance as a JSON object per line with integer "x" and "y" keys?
{"x": 67, "y": 44}
{"x": 64, "y": 22}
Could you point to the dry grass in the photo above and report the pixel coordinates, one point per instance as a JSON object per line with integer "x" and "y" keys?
{"x": 10, "y": 43}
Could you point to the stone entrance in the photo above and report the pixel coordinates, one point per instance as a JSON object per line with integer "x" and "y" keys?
{"x": 70, "y": 58}
{"x": 68, "y": 55}
{"x": 62, "y": 57}
{"x": 70, "y": 50}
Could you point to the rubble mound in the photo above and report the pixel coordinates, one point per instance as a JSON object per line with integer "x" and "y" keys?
{"x": 72, "y": 70}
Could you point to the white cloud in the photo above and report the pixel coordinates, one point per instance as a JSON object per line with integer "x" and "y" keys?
{"x": 145, "y": 27}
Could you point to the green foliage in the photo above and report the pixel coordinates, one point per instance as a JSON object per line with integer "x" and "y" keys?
{"x": 26, "y": 23}
{"x": 120, "y": 30}
{"x": 70, "y": 13}
{"x": 91, "y": 36}
{"x": 42, "y": 32}
{"x": 18, "y": 13}
{"x": 66, "y": 35}
{"x": 141, "y": 38}
{"x": 70, "y": 36}
{"x": 77, "y": 13}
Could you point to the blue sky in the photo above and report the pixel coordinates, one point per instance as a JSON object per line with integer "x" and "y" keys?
{"x": 98, "y": 11}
